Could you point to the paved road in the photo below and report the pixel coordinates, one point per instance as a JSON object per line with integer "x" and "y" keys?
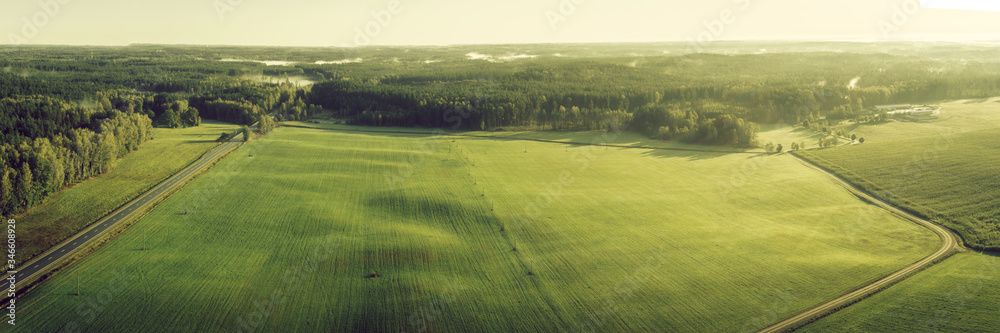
{"x": 949, "y": 244}
{"x": 49, "y": 259}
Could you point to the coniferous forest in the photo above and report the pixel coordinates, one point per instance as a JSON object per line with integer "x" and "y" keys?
{"x": 68, "y": 113}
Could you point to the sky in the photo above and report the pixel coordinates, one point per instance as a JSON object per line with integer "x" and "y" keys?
{"x": 442, "y": 22}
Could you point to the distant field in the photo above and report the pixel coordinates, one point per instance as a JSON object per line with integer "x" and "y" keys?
{"x": 948, "y": 170}
{"x": 313, "y": 230}
{"x": 958, "y": 295}
{"x": 777, "y": 134}
{"x": 73, "y": 209}
{"x": 956, "y": 117}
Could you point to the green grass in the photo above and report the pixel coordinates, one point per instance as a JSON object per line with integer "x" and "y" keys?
{"x": 785, "y": 135}
{"x": 73, "y": 209}
{"x": 958, "y": 295}
{"x": 956, "y": 117}
{"x": 777, "y": 134}
{"x": 952, "y": 177}
{"x": 282, "y": 235}
{"x": 946, "y": 169}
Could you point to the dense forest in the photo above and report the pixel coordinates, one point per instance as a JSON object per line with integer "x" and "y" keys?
{"x": 66, "y": 117}
{"x": 700, "y": 98}
{"x": 68, "y": 112}
{"x": 49, "y": 143}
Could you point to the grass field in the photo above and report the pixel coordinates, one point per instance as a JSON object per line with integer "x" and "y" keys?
{"x": 944, "y": 171}
{"x": 313, "y": 230}
{"x": 956, "y": 117}
{"x": 958, "y": 295}
{"x": 777, "y": 134}
{"x": 73, "y": 209}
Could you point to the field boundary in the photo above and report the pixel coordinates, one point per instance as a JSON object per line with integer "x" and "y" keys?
{"x": 36, "y": 275}
{"x": 901, "y": 203}
{"x": 113, "y": 232}
{"x": 950, "y": 244}
{"x": 528, "y": 139}
{"x": 106, "y": 212}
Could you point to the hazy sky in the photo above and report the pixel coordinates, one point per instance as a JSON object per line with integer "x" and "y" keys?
{"x": 417, "y": 22}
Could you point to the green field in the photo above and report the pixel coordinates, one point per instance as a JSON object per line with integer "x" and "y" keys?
{"x": 777, "y": 134}
{"x": 958, "y": 295}
{"x": 949, "y": 175}
{"x": 75, "y": 208}
{"x": 314, "y": 230}
{"x": 946, "y": 169}
{"x": 956, "y": 117}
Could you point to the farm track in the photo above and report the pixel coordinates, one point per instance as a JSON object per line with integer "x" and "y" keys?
{"x": 950, "y": 244}
{"x": 41, "y": 264}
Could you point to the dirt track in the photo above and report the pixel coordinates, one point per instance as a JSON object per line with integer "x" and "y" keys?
{"x": 949, "y": 245}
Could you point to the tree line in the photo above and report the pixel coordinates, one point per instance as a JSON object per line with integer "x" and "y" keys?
{"x": 684, "y": 97}
{"x": 49, "y": 144}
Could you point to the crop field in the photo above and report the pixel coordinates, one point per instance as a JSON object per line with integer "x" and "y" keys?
{"x": 315, "y": 230}
{"x": 951, "y": 176}
{"x": 73, "y": 209}
{"x": 958, "y": 295}
{"x": 945, "y": 169}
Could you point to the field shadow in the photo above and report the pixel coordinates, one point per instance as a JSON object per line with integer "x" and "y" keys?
{"x": 426, "y": 208}
{"x": 693, "y": 152}
{"x": 991, "y": 253}
{"x": 691, "y": 155}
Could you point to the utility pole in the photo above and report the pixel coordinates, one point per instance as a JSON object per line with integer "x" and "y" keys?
{"x": 78, "y": 283}
{"x": 144, "y": 239}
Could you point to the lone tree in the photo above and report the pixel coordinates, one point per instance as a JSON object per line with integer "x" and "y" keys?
{"x": 861, "y": 140}
{"x": 779, "y": 149}
{"x": 246, "y": 133}
{"x": 854, "y": 137}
